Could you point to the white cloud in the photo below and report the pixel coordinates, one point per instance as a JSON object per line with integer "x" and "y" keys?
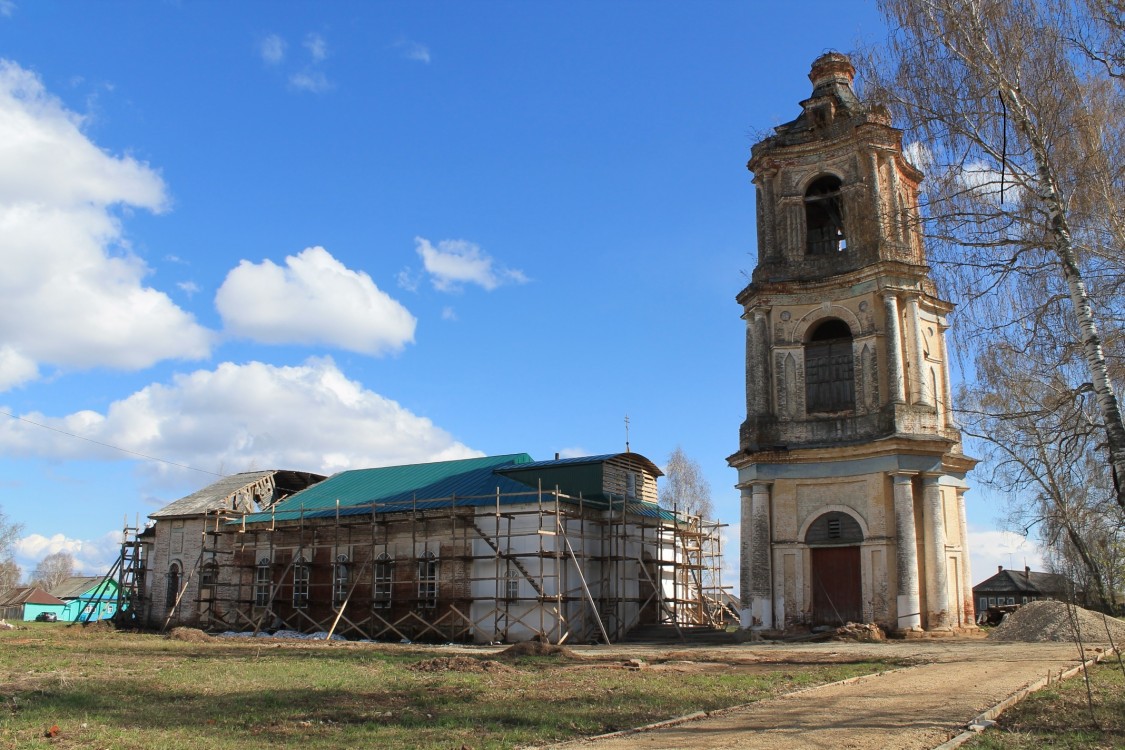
{"x": 272, "y": 49}
{"x": 243, "y": 417}
{"x": 456, "y": 262}
{"x": 990, "y": 548}
{"x": 188, "y": 287}
{"x": 919, "y": 154}
{"x": 312, "y": 81}
{"x": 413, "y": 50}
{"x": 574, "y": 452}
{"x": 316, "y": 46}
{"x": 71, "y": 294}
{"x": 448, "y": 313}
{"x": 91, "y": 556}
{"x": 7, "y": 8}
{"x": 15, "y": 368}
{"x": 314, "y": 299}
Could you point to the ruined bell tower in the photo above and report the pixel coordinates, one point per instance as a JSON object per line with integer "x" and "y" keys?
{"x": 850, "y": 468}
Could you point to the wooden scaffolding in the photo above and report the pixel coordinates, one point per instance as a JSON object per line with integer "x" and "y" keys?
{"x": 535, "y": 565}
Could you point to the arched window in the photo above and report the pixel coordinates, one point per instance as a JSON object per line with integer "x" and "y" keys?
{"x": 824, "y": 217}
{"x": 829, "y": 369}
{"x": 262, "y": 583}
{"x": 427, "y": 581}
{"x": 341, "y": 577}
{"x": 173, "y": 585}
{"x": 300, "y": 583}
{"x": 381, "y": 594}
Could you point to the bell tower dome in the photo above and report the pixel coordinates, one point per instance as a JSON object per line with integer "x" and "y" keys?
{"x": 847, "y": 381}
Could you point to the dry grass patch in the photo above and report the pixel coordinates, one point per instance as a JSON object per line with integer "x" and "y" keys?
{"x": 130, "y": 691}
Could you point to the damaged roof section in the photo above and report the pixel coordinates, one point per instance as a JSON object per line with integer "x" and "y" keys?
{"x": 246, "y": 492}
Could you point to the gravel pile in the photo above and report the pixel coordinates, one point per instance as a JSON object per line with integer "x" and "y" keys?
{"x": 1049, "y": 621}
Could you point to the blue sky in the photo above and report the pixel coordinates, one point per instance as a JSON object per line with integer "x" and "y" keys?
{"x": 323, "y": 236}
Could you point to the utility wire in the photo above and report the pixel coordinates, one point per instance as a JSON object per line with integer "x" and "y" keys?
{"x": 114, "y": 447}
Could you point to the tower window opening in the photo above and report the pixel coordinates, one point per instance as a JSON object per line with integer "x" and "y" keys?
{"x": 824, "y": 217}
{"x": 829, "y": 368}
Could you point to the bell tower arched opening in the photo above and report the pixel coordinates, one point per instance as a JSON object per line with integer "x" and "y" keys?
{"x": 829, "y": 368}
{"x": 837, "y": 586}
{"x": 824, "y": 217}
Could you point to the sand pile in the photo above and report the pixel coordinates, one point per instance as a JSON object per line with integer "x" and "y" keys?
{"x": 1050, "y": 621}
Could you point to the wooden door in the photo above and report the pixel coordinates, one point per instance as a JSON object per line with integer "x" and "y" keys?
{"x": 837, "y": 593}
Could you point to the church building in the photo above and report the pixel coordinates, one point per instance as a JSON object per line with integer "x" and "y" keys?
{"x": 850, "y": 466}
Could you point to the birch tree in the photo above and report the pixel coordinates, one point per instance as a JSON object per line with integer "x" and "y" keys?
{"x": 9, "y": 571}
{"x": 53, "y": 570}
{"x": 685, "y": 488}
{"x": 1019, "y": 105}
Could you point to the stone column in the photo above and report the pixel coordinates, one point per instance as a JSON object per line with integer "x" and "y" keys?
{"x": 969, "y": 607}
{"x": 896, "y": 390}
{"x": 745, "y": 567}
{"x": 758, "y": 599}
{"x": 921, "y": 388}
{"x": 909, "y": 604}
{"x": 937, "y": 568}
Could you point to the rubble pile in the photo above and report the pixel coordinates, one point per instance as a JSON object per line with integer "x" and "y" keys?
{"x": 460, "y": 664}
{"x": 860, "y": 631}
{"x": 1041, "y": 621}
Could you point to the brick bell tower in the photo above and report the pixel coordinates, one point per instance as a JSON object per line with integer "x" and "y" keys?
{"x": 850, "y": 468}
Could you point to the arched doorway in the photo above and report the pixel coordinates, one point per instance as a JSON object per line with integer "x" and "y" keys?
{"x": 837, "y": 588}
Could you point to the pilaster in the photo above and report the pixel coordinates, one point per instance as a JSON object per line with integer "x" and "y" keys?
{"x": 937, "y": 568}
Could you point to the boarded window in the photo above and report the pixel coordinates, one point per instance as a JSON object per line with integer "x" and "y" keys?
{"x": 829, "y": 368}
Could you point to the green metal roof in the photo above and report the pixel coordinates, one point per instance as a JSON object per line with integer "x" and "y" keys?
{"x": 358, "y": 489}
{"x": 462, "y": 483}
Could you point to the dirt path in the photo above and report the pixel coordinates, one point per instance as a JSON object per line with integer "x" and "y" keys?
{"x": 916, "y": 707}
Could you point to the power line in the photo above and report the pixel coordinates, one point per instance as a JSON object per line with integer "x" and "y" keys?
{"x": 114, "y": 447}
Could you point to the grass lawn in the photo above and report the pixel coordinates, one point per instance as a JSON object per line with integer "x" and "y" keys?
{"x": 104, "y": 689}
{"x": 1059, "y": 716}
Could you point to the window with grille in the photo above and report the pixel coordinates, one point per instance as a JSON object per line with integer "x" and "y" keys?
{"x": 300, "y": 583}
{"x": 829, "y": 368}
{"x": 341, "y": 580}
{"x": 262, "y": 583}
{"x": 512, "y": 584}
{"x": 381, "y": 595}
{"x": 427, "y": 581}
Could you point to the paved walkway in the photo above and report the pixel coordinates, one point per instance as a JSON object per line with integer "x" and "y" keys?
{"x": 918, "y": 707}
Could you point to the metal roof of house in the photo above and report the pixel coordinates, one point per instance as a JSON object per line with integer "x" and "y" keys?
{"x": 463, "y": 483}
{"x": 601, "y": 459}
{"x": 75, "y": 586}
{"x": 29, "y": 595}
{"x": 356, "y": 490}
{"x": 1024, "y": 582}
